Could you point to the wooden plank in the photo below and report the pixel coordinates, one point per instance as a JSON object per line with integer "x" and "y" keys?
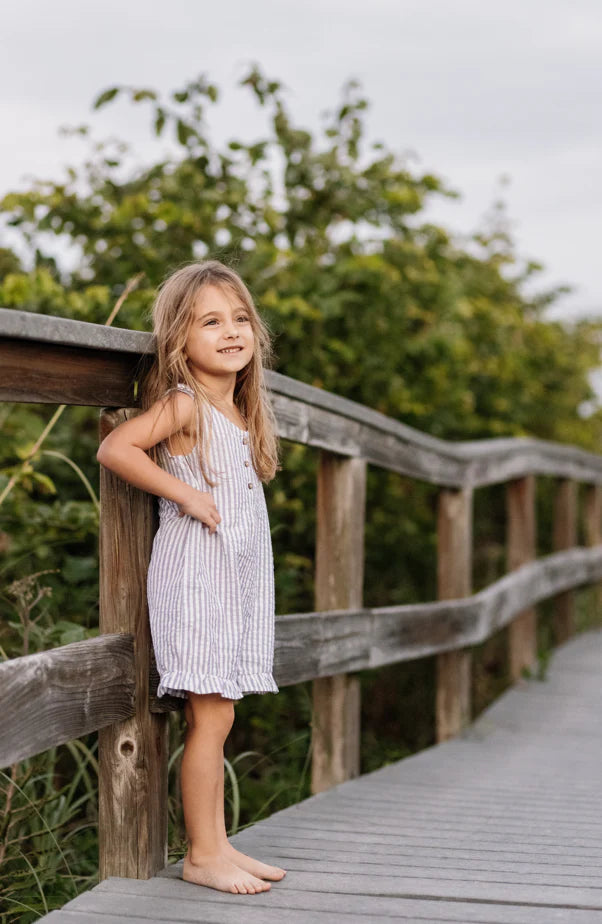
{"x": 349, "y": 886}
{"x": 159, "y": 909}
{"x": 521, "y": 548}
{"x": 77, "y": 689}
{"x": 592, "y": 510}
{"x": 592, "y": 515}
{"x": 271, "y": 906}
{"x": 132, "y": 754}
{"x": 305, "y": 414}
{"x": 454, "y": 580}
{"x": 565, "y": 537}
{"x": 278, "y": 849}
{"x": 341, "y": 496}
{"x": 56, "y": 374}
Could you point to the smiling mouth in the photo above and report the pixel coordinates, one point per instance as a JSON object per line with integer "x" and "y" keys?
{"x": 230, "y": 350}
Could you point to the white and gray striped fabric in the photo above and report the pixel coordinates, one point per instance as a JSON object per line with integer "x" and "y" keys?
{"x": 211, "y": 596}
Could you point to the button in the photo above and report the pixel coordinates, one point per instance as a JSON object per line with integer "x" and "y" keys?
{"x": 250, "y": 485}
{"x": 245, "y": 440}
{"x": 246, "y": 462}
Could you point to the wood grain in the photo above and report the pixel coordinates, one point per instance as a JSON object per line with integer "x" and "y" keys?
{"x": 565, "y": 537}
{"x": 76, "y": 689}
{"x": 341, "y": 498}
{"x": 454, "y": 580}
{"x": 133, "y": 753}
{"x": 57, "y": 374}
{"x": 520, "y": 549}
{"x": 74, "y": 362}
{"x": 592, "y": 522}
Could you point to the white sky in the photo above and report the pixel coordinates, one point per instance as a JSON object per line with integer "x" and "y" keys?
{"x": 476, "y": 89}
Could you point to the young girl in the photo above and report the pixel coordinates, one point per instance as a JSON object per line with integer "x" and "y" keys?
{"x": 211, "y": 438}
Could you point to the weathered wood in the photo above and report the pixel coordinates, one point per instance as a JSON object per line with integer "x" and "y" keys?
{"x": 341, "y": 496}
{"x": 305, "y": 414}
{"x": 76, "y": 689}
{"x": 454, "y": 580}
{"x": 592, "y": 516}
{"x": 521, "y": 548}
{"x": 565, "y": 537}
{"x": 56, "y": 374}
{"x": 132, "y": 754}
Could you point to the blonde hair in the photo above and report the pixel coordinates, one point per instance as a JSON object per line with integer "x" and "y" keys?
{"x": 172, "y": 314}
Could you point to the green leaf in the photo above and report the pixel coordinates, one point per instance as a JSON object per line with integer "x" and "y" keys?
{"x": 140, "y": 95}
{"x": 159, "y": 121}
{"x": 105, "y": 97}
{"x": 184, "y": 132}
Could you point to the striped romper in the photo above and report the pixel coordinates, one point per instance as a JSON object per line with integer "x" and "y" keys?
{"x": 211, "y": 595}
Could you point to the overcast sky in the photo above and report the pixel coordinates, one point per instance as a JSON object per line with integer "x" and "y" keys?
{"x": 476, "y": 89}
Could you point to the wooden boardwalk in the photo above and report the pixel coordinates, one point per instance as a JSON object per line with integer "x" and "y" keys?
{"x": 502, "y": 824}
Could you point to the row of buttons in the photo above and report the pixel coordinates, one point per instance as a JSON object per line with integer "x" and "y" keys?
{"x": 245, "y": 441}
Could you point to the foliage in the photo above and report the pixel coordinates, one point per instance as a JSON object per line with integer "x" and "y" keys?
{"x": 48, "y": 820}
{"x": 364, "y": 299}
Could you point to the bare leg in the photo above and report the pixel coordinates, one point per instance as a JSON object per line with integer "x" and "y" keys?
{"x": 256, "y": 867}
{"x": 202, "y": 767}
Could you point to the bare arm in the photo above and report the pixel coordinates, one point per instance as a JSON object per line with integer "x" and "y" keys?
{"x": 123, "y": 451}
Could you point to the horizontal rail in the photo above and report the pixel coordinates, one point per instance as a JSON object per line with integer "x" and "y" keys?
{"x": 86, "y": 685}
{"x": 308, "y": 645}
{"x": 53, "y": 696}
{"x": 57, "y": 360}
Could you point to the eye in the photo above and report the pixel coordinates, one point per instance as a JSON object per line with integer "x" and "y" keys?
{"x": 243, "y": 317}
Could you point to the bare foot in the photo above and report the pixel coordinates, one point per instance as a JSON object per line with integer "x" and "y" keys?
{"x": 218, "y": 872}
{"x": 256, "y": 867}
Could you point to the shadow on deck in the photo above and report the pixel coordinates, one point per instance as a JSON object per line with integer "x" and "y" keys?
{"x": 502, "y": 824}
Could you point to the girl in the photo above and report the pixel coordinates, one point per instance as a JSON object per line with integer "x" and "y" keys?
{"x": 211, "y": 437}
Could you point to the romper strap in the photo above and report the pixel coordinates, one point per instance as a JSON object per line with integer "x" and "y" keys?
{"x": 185, "y": 388}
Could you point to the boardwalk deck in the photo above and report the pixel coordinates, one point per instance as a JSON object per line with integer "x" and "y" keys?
{"x": 501, "y": 825}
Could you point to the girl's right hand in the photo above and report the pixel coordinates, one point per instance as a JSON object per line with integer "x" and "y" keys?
{"x": 201, "y": 506}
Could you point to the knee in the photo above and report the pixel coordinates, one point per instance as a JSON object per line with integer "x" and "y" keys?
{"x": 210, "y": 713}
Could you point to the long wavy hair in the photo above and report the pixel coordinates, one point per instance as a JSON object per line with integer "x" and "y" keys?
{"x": 172, "y": 315}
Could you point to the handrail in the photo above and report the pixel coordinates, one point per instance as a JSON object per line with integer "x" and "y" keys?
{"x": 318, "y": 418}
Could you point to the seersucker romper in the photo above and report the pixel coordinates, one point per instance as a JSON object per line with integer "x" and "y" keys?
{"x": 211, "y": 595}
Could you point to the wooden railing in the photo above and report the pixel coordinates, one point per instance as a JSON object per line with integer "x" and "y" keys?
{"x": 109, "y": 683}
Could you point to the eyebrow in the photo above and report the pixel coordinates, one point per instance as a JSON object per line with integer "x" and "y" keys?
{"x": 219, "y": 311}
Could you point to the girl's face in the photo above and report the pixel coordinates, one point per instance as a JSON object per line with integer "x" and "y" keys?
{"x": 220, "y": 323}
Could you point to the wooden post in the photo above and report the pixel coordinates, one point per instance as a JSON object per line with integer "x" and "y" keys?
{"x": 132, "y": 754}
{"x": 341, "y": 499}
{"x": 592, "y": 514}
{"x": 565, "y": 537}
{"x": 454, "y": 576}
{"x": 521, "y": 548}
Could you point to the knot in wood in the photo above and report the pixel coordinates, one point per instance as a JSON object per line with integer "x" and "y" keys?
{"x": 127, "y": 747}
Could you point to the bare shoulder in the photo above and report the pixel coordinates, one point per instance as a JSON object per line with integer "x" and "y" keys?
{"x": 171, "y": 414}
